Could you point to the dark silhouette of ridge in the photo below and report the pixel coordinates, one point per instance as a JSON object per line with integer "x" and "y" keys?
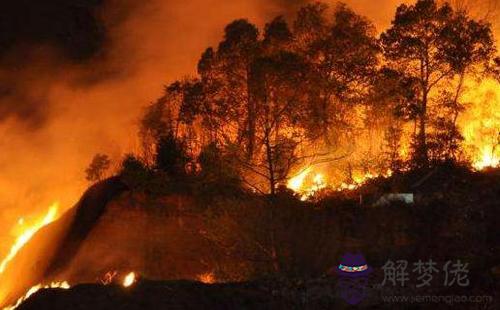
{"x": 88, "y": 211}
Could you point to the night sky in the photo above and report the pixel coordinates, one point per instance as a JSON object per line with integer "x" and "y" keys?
{"x": 72, "y": 26}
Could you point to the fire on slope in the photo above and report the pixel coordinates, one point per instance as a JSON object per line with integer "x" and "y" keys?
{"x": 128, "y": 281}
{"x": 27, "y": 233}
{"x": 36, "y": 288}
{"x": 310, "y": 181}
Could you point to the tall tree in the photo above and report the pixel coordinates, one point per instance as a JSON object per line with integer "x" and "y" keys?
{"x": 279, "y": 91}
{"x": 344, "y": 55}
{"x": 226, "y": 74}
{"x": 432, "y": 44}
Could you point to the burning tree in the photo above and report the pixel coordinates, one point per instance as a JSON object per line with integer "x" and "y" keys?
{"x": 297, "y": 95}
{"x": 266, "y": 99}
{"x": 436, "y": 46}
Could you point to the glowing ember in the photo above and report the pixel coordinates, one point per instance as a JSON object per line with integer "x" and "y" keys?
{"x": 129, "y": 279}
{"x": 28, "y": 234}
{"x": 207, "y": 278}
{"x": 36, "y": 288}
{"x": 108, "y": 277}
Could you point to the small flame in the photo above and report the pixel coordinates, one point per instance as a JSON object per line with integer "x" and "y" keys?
{"x": 36, "y": 288}
{"x": 28, "y": 234}
{"x": 129, "y": 279}
{"x": 108, "y": 277}
{"x": 207, "y": 278}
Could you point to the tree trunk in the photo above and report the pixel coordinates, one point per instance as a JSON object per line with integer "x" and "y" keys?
{"x": 423, "y": 156}
{"x": 270, "y": 165}
{"x": 422, "y": 152}
{"x": 250, "y": 130}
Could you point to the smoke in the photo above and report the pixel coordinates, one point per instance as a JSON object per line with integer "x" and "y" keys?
{"x": 57, "y": 110}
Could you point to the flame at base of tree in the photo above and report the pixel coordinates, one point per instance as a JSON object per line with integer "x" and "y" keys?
{"x": 479, "y": 125}
{"x": 308, "y": 182}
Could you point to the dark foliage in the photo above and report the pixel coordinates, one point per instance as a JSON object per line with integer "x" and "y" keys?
{"x": 171, "y": 156}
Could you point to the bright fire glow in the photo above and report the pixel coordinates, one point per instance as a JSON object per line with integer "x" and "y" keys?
{"x": 489, "y": 158}
{"x": 207, "y": 278}
{"x": 28, "y": 234}
{"x": 36, "y": 288}
{"x": 480, "y": 124}
{"x": 314, "y": 181}
{"x": 129, "y": 279}
{"x": 297, "y": 181}
{"x": 309, "y": 182}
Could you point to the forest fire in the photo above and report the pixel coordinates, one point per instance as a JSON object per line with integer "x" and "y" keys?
{"x": 480, "y": 124}
{"x": 309, "y": 182}
{"x": 28, "y": 233}
{"x": 319, "y": 124}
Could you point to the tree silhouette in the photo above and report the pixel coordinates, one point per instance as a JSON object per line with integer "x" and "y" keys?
{"x": 98, "y": 166}
{"x": 171, "y": 157}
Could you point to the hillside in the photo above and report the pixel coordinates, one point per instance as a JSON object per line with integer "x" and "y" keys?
{"x": 226, "y": 237}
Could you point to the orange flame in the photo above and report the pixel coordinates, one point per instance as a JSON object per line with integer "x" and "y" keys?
{"x": 36, "y": 288}
{"x": 480, "y": 124}
{"x": 207, "y": 278}
{"x": 309, "y": 182}
{"x": 28, "y": 234}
